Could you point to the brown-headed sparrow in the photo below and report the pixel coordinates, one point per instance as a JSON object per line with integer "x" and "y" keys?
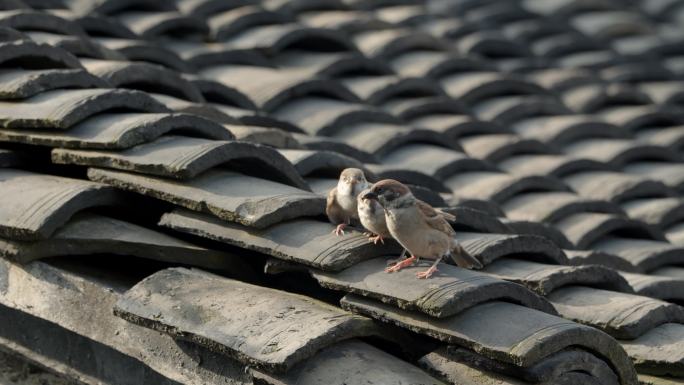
{"x": 418, "y": 227}
{"x": 342, "y": 199}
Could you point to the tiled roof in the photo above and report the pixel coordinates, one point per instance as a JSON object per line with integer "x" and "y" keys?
{"x": 164, "y": 166}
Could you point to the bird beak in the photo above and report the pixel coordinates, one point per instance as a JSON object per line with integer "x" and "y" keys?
{"x": 369, "y": 195}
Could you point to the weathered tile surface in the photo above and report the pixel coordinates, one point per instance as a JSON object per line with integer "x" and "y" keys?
{"x": 62, "y": 109}
{"x": 182, "y": 157}
{"x": 566, "y": 134}
{"x": 119, "y": 131}
{"x": 558, "y": 368}
{"x": 488, "y": 329}
{"x": 544, "y": 278}
{"x": 660, "y": 351}
{"x": 272, "y": 329}
{"x": 228, "y": 195}
{"x": 19, "y": 84}
{"x": 622, "y": 315}
{"x": 306, "y": 241}
{"x": 90, "y": 234}
{"x": 64, "y": 292}
{"x": 451, "y": 291}
{"x": 350, "y": 362}
{"x": 33, "y": 205}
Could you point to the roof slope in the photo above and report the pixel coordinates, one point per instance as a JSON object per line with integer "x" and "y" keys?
{"x": 164, "y": 166}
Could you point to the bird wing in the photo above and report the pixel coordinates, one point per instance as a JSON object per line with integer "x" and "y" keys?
{"x": 434, "y": 218}
{"x": 333, "y": 210}
{"x": 448, "y": 216}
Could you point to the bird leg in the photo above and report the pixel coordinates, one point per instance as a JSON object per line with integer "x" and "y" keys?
{"x": 401, "y": 264}
{"x": 339, "y": 230}
{"x": 428, "y": 273}
{"x": 401, "y": 258}
{"x": 376, "y": 239}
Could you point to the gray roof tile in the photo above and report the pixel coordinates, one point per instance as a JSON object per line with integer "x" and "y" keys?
{"x": 306, "y": 241}
{"x": 530, "y": 340}
{"x": 88, "y": 234}
{"x": 20, "y": 84}
{"x": 61, "y": 109}
{"x": 450, "y": 292}
{"x": 350, "y": 362}
{"x": 36, "y": 205}
{"x": 274, "y": 330}
{"x": 120, "y": 131}
{"x": 228, "y": 195}
{"x": 622, "y": 315}
{"x": 543, "y": 278}
{"x": 182, "y": 157}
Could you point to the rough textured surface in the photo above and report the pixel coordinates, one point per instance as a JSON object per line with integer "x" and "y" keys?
{"x": 182, "y": 158}
{"x": 660, "y": 351}
{"x": 228, "y": 195}
{"x": 88, "y": 234}
{"x": 544, "y": 278}
{"x": 64, "y": 293}
{"x": 119, "y": 131}
{"x": 313, "y": 243}
{"x": 351, "y": 363}
{"x": 17, "y": 371}
{"x": 59, "y": 351}
{"x": 559, "y": 120}
{"x": 62, "y": 109}
{"x": 486, "y": 329}
{"x": 441, "y": 365}
{"x": 665, "y": 288}
{"x": 255, "y": 325}
{"x": 489, "y": 247}
{"x": 558, "y": 368}
{"x": 35, "y": 205}
{"x": 625, "y": 316}
{"x": 449, "y": 292}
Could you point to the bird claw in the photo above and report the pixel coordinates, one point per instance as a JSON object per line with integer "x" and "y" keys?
{"x": 400, "y": 265}
{"x": 427, "y": 273}
{"x": 376, "y": 239}
{"x": 339, "y": 230}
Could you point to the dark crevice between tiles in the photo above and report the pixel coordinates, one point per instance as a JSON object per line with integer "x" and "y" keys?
{"x": 628, "y": 232}
{"x": 402, "y": 344}
{"x": 301, "y": 282}
{"x": 218, "y": 98}
{"x": 118, "y": 271}
{"x": 532, "y": 257}
{"x": 37, "y": 158}
{"x": 254, "y": 261}
{"x": 34, "y": 63}
{"x": 155, "y": 88}
{"x": 316, "y": 44}
{"x": 139, "y": 210}
{"x": 256, "y": 168}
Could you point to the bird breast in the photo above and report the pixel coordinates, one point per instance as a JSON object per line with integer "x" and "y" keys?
{"x": 372, "y": 217}
{"x": 409, "y": 228}
{"x": 347, "y": 202}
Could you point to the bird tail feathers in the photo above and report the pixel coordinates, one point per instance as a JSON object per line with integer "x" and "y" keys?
{"x": 461, "y": 257}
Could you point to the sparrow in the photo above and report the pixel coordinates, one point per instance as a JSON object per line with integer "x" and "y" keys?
{"x": 418, "y": 227}
{"x": 372, "y": 218}
{"x": 341, "y": 205}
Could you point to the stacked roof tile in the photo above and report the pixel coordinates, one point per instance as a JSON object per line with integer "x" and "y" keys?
{"x": 164, "y": 166}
